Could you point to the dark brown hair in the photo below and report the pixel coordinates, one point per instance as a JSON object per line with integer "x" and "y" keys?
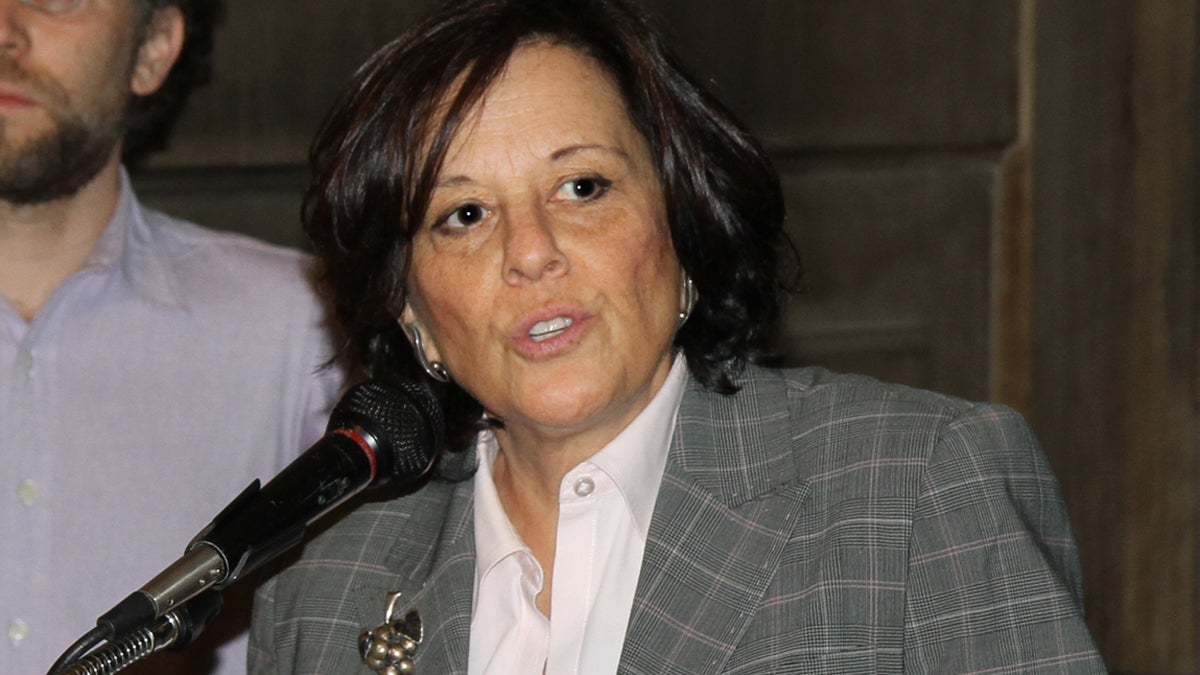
{"x": 378, "y": 153}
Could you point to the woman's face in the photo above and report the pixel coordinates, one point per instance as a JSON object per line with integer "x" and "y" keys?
{"x": 544, "y": 276}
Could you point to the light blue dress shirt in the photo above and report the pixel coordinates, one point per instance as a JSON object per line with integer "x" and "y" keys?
{"x": 178, "y": 365}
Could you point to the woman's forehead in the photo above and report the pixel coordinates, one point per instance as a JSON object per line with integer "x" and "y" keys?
{"x": 547, "y": 97}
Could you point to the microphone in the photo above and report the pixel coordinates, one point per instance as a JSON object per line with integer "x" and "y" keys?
{"x": 377, "y": 434}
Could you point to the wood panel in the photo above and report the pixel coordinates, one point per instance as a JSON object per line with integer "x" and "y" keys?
{"x": 1115, "y": 312}
{"x": 888, "y": 120}
{"x": 897, "y": 263}
{"x": 279, "y": 65}
{"x": 263, "y": 203}
{"x": 915, "y": 75}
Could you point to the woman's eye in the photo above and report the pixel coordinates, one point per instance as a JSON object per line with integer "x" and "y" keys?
{"x": 583, "y": 188}
{"x": 465, "y": 216}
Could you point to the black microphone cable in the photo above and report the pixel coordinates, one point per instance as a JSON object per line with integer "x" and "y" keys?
{"x": 174, "y": 631}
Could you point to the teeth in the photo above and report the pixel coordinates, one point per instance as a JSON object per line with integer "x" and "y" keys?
{"x": 544, "y": 330}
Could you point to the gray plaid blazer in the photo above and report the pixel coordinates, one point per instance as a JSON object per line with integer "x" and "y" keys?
{"x": 811, "y": 523}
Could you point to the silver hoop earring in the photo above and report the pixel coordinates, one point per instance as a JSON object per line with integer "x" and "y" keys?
{"x": 687, "y": 298}
{"x": 435, "y": 369}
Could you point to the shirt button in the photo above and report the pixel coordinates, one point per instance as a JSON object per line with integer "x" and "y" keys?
{"x": 27, "y": 362}
{"x": 584, "y": 486}
{"x": 27, "y": 492}
{"x": 17, "y": 631}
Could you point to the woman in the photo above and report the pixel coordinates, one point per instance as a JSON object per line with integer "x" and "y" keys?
{"x": 580, "y": 245}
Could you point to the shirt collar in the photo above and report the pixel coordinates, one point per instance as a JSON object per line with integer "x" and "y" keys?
{"x": 495, "y": 536}
{"x": 635, "y": 460}
{"x": 637, "y": 457}
{"x": 128, "y": 247}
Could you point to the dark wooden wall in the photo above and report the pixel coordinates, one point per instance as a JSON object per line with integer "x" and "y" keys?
{"x": 995, "y": 198}
{"x": 1114, "y": 340}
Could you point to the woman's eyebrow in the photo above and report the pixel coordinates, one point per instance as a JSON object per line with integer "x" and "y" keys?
{"x": 570, "y": 150}
{"x": 452, "y": 181}
{"x": 559, "y": 155}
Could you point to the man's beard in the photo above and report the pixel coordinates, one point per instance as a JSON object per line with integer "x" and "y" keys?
{"x": 62, "y": 160}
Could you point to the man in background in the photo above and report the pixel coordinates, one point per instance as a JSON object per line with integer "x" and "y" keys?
{"x": 149, "y": 369}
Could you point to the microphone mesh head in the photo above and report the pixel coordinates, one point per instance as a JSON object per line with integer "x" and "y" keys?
{"x": 405, "y": 420}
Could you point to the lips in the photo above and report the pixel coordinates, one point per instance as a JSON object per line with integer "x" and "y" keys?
{"x": 544, "y": 330}
{"x": 550, "y": 331}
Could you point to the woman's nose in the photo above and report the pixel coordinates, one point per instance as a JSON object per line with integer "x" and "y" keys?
{"x": 531, "y": 249}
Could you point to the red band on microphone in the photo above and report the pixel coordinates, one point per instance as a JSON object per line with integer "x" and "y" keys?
{"x": 366, "y": 448}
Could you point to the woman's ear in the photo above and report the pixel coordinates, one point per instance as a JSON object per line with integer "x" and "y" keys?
{"x": 423, "y": 348}
{"x": 161, "y": 45}
{"x": 407, "y": 316}
{"x": 418, "y": 337}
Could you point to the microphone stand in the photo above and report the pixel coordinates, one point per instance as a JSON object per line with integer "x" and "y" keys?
{"x": 377, "y": 433}
{"x": 174, "y": 630}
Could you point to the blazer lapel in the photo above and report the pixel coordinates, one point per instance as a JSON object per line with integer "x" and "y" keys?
{"x": 725, "y": 511}
{"x": 437, "y": 579}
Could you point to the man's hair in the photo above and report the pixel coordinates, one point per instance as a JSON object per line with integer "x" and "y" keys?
{"x": 377, "y": 155}
{"x": 151, "y": 117}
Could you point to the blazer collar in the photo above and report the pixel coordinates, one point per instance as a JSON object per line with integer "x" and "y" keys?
{"x": 436, "y": 578}
{"x": 736, "y": 447}
{"x": 726, "y": 509}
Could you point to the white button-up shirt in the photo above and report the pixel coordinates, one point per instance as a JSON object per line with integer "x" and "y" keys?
{"x": 605, "y": 507}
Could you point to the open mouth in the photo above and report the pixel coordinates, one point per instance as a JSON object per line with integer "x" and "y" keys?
{"x": 544, "y": 330}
